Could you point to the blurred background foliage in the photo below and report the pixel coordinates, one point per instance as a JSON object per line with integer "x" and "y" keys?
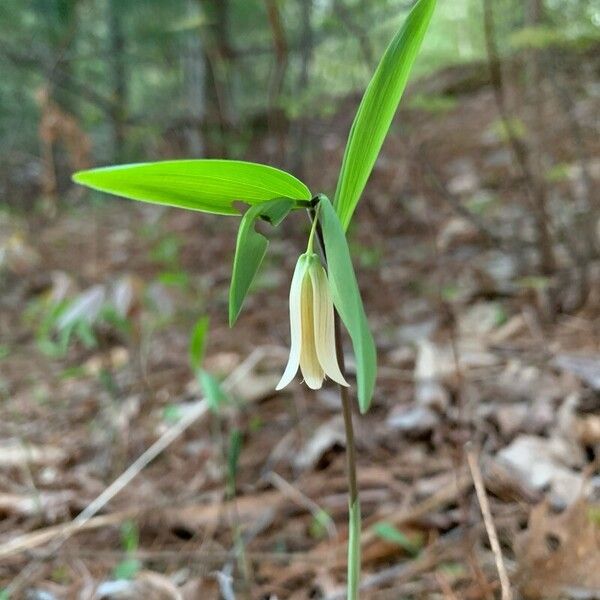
{"x": 153, "y": 79}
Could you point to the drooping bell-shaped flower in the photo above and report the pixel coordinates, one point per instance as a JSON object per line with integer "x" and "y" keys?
{"x": 312, "y": 326}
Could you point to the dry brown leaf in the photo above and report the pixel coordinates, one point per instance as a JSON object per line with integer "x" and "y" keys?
{"x": 15, "y": 454}
{"x": 248, "y": 509}
{"x": 545, "y": 463}
{"x": 560, "y": 554}
{"x": 49, "y": 504}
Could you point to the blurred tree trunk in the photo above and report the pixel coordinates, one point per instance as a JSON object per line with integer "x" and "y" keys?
{"x": 194, "y": 69}
{"x": 535, "y": 93}
{"x": 535, "y": 83}
{"x": 119, "y": 78}
{"x": 355, "y": 29}
{"x": 61, "y": 25}
{"x": 218, "y": 57}
{"x": 276, "y": 122}
{"x": 521, "y": 152}
{"x": 300, "y": 126}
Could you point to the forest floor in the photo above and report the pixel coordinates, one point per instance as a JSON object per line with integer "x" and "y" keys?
{"x": 480, "y": 357}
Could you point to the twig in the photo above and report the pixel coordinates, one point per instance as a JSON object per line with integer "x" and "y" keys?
{"x": 29, "y": 541}
{"x": 225, "y": 581}
{"x": 490, "y": 528}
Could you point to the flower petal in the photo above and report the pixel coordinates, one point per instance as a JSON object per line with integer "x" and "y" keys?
{"x": 309, "y": 362}
{"x": 295, "y": 324}
{"x": 324, "y": 327}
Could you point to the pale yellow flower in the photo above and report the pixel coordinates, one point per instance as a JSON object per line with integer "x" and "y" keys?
{"x": 312, "y": 327}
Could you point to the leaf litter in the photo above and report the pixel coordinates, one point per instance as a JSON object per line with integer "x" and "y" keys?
{"x": 465, "y": 355}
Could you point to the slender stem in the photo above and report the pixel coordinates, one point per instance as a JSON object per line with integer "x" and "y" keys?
{"x": 347, "y": 411}
{"x": 484, "y": 505}
{"x": 354, "y": 527}
{"x": 311, "y": 237}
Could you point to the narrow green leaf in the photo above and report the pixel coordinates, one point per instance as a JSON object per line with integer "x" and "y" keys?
{"x": 250, "y": 250}
{"x": 207, "y": 185}
{"x": 198, "y": 343}
{"x": 353, "y": 551}
{"x": 130, "y": 536}
{"x": 377, "y": 109}
{"x": 127, "y": 569}
{"x": 347, "y": 301}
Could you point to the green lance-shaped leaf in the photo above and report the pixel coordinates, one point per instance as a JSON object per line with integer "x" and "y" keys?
{"x": 250, "y": 250}
{"x": 347, "y": 301}
{"x": 207, "y": 185}
{"x": 377, "y": 109}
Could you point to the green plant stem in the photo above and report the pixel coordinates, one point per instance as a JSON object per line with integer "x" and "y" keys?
{"x": 354, "y": 520}
{"x": 354, "y": 525}
{"x": 309, "y": 246}
{"x": 347, "y": 412}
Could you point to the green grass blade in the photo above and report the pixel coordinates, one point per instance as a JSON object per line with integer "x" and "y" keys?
{"x": 354, "y": 550}
{"x": 250, "y": 250}
{"x": 198, "y": 343}
{"x": 347, "y": 301}
{"x": 377, "y": 109}
{"x": 207, "y": 185}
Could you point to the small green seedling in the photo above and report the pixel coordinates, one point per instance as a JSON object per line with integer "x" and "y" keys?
{"x": 129, "y": 566}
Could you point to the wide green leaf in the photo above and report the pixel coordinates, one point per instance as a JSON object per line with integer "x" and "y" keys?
{"x": 207, "y": 185}
{"x": 347, "y": 301}
{"x": 377, "y": 109}
{"x": 250, "y": 250}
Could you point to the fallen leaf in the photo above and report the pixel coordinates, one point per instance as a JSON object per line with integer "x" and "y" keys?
{"x": 544, "y": 463}
{"x": 560, "y": 554}
{"x": 15, "y": 454}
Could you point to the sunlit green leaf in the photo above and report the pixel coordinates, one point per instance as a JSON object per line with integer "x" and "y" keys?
{"x": 347, "y": 301}
{"x": 207, "y": 185}
{"x": 377, "y": 109}
{"x": 250, "y": 250}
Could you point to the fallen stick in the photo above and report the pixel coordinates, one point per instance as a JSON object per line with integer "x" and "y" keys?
{"x": 29, "y": 541}
{"x": 488, "y": 521}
